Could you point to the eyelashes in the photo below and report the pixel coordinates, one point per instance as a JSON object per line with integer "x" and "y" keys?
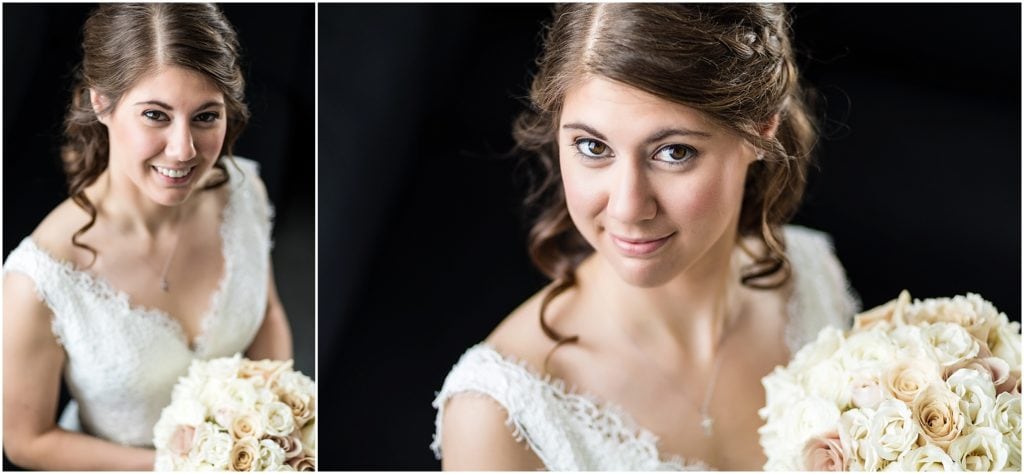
{"x": 675, "y": 154}
{"x": 161, "y": 116}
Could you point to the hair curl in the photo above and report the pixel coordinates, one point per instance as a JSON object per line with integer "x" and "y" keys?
{"x": 123, "y": 43}
{"x": 734, "y": 63}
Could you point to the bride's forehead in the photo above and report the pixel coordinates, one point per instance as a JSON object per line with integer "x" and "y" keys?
{"x": 598, "y": 99}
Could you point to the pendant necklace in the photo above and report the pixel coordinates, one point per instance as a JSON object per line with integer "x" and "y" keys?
{"x": 165, "y": 285}
{"x": 707, "y": 422}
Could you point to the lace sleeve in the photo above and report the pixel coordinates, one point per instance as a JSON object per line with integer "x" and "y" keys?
{"x": 46, "y": 275}
{"x": 822, "y": 295}
{"x": 250, "y": 185}
{"x": 483, "y": 372}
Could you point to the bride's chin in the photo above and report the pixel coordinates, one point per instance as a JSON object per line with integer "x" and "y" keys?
{"x": 644, "y": 274}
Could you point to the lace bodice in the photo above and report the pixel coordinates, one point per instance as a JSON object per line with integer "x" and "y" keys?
{"x": 572, "y": 431}
{"x": 123, "y": 360}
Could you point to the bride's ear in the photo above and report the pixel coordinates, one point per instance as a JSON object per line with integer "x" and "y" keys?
{"x": 100, "y": 103}
{"x": 771, "y": 126}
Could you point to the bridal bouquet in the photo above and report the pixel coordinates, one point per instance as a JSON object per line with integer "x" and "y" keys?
{"x": 240, "y": 415}
{"x": 915, "y": 386}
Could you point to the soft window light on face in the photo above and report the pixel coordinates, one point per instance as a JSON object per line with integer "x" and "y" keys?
{"x": 650, "y": 184}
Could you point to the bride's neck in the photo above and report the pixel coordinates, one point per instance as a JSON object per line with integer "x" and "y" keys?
{"x": 691, "y": 312}
{"x": 128, "y": 209}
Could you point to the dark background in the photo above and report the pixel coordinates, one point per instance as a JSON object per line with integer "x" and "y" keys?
{"x": 41, "y": 44}
{"x": 422, "y": 238}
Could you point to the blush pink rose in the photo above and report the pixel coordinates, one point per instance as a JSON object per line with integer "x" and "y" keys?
{"x": 824, "y": 453}
{"x": 181, "y": 440}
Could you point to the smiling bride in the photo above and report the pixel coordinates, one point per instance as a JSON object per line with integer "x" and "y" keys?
{"x": 159, "y": 257}
{"x": 673, "y": 143}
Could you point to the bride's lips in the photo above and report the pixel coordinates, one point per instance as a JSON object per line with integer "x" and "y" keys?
{"x": 639, "y": 247}
{"x": 174, "y": 176}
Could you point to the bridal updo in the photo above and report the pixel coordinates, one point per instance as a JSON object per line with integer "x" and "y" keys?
{"x": 733, "y": 63}
{"x": 121, "y": 44}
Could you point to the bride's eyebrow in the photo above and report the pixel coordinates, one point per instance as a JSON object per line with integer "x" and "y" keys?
{"x": 668, "y": 132}
{"x": 585, "y": 128}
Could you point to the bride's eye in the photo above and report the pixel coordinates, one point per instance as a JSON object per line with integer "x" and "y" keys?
{"x": 591, "y": 148}
{"x": 675, "y": 154}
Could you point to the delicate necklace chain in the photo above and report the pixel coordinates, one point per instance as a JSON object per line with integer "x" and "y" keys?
{"x": 704, "y": 409}
{"x": 165, "y": 285}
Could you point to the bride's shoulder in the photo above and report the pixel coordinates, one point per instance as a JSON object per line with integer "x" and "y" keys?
{"x": 519, "y": 336}
{"x": 54, "y": 232}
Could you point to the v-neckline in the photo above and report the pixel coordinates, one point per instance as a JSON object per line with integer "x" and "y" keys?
{"x": 101, "y": 286}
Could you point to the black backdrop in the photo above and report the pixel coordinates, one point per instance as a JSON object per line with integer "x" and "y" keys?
{"x": 41, "y": 44}
{"x": 422, "y": 251}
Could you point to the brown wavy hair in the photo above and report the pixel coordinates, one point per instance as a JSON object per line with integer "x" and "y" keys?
{"x": 734, "y": 63}
{"x": 121, "y": 44}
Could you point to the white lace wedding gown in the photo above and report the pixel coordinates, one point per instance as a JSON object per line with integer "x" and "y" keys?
{"x": 570, "y": 431}
{"x": 123, "y": 360}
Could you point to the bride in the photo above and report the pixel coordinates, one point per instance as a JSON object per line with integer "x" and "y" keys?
{"x": 159, "y": 257}
{"x": 673, "y": 142}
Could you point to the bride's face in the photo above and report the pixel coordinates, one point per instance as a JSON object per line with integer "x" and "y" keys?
{"x": 165, "y": 133}
{"x": 652, "y": 185}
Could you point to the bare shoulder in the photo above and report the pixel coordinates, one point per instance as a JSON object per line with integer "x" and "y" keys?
{"x": 53, "y": 234}
{"x": 476, "y": 436}
{"x": 520, "y": 337}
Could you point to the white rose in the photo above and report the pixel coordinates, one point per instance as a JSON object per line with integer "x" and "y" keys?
{"x": 277, "y": 419}
{"x": 910, "y": 342}
{"x": 271, "y": 456}
{"x": 1005, "y": 418}
{"x": 1004, "y": 342}
{"x": 854, "y": 427}
{"x": 865, "y": 388}
{"x": 976, "y": 392}
{"x": 927, "y": 458}
{"x": 950, "y": 343}
{"x": 870, "y": 349}
{"x": 980, "y": 450}
{"x": 211, "y": 448}
{"x": 828, "y": 380}
{"x": 780, "y": 389}
{"x": 784, "y": 437}
{"x": 971, "y": 312}
{"x": 892, "y": 430}
{"x": 828, "y": 342}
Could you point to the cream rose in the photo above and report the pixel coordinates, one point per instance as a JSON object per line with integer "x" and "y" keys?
{"x": 264, "y": 372}
{"x": 245, "y": 455}
{"x": 908, "y": 377}
{"x": 309, "y": 436}
{"x": 291, "y": 445}
{"x": 891, "y": 312}
{"x": 248, "y": 424}
{"x": 927, "y": 458}
{"x": 950, "y": 343}
{"x": 824, "y": 453}
{"x": 976, "y": 393}
{"x": 181, "y": 440}
{"x": 892, "y": 430}
{"x": 980, "y": 450}
{"x": 277, "y": 419}
{"x": 937, "y": 412}
{"x": 271, "y": 456}
{"x": 303, "y": 408}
